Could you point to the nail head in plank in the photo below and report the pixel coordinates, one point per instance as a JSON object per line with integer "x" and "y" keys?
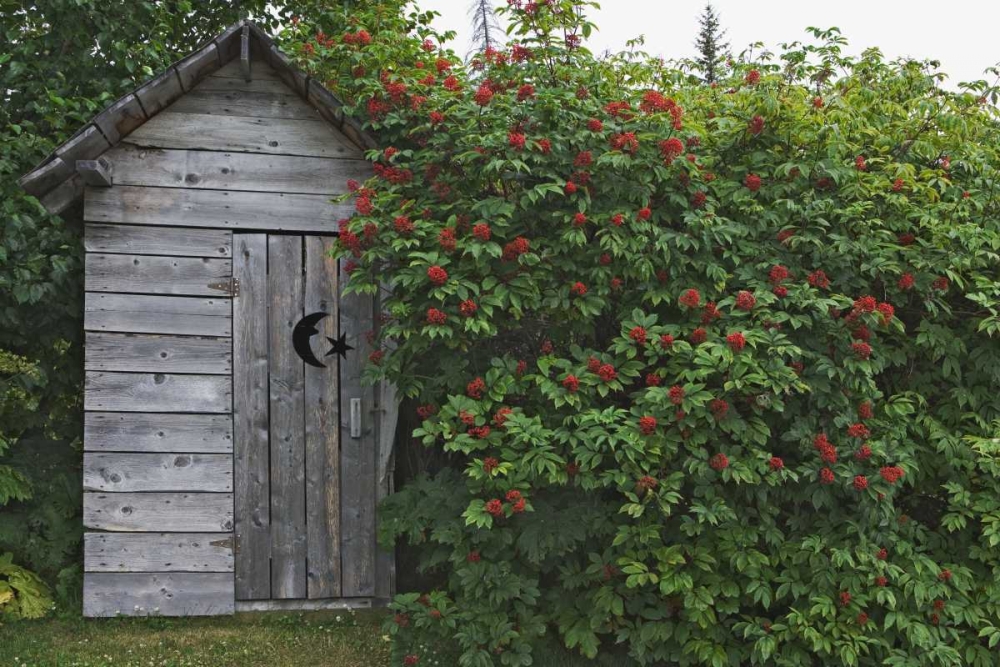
{"x": 212, "y": 170}
{"x": 276, "y": 136}
{"x": 287, "y": 435}
{"x": 157, "y": 594}
{"x": 215, "y": 208}
{"x": 156, "y": 392}
{"x": 157, "y": 432}
{"x": 147, "y": 353}
{"x": 119, "y": 471}
{"x": 163, "y": 241}
{"x": 159, "y": 512}
{"x": 322, "y": 425}
{"x": 191, "y": 276}
{"x": 142, "y": 313}
{"x": 158, "y": 552}
{"x": 250, "y": 418}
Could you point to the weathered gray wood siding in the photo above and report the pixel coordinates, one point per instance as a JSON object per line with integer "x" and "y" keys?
{"x": 217, "y": 466}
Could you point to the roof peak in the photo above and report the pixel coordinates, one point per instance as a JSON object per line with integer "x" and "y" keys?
{"x": 56, "y": 182}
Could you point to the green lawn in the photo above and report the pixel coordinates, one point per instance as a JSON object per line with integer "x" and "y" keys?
{"x": 318, "y": 639}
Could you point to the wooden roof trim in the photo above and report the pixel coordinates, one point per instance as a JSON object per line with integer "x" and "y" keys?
{"x": 55, "y": 181}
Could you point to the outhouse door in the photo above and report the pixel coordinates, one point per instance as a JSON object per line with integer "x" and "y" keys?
{"x": 304, "y": 451}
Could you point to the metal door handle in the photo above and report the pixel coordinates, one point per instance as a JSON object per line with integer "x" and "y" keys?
{"x": 355, "y": 417}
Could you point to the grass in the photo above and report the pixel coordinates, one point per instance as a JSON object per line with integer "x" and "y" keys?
{"x": 319, "y": 639}
{"x": 323, "y": 639}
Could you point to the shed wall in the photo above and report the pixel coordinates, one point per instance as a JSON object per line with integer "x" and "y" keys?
{"x": 159, "y": 439}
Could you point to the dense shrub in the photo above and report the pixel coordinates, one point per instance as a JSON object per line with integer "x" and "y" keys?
{"x": 720, "y": 362}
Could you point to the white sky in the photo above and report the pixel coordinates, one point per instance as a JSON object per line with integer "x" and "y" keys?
{"x": 962, "y": 34}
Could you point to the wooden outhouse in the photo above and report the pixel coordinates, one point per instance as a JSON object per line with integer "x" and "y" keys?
{"x": 233, "y": 458}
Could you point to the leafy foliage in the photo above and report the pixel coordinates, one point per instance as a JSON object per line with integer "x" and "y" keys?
{"x": 721, "y": 362}
{"x": 22, "y": 593}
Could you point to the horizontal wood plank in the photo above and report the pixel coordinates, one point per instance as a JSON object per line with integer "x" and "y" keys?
{"x": 141, "y": 313}
{"x": 159, "y": 512}
{"x": 276, "y": 136}
{"x": 159, "y": 594}
{"x": 157, "y": 472}
{"x": 255, "y": 85}
{"x": 189, "y": 276}
{"x": 258, "y": 70}
{"x": 157, "y": 432}
{"x": 157, "y": 392}
{"x": 166, "y": 241}
{"x": 158, "y": 552}
{"x": 157, "y": 354}
{"x": 215, "y": 208}
{"x": 213, "y": 170}
{"x": 245, "y": 103}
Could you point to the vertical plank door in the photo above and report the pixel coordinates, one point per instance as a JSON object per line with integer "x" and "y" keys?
{"x": 288, "y": 462}
{"x": 250, "y": 419}
{"x": 322, "y": 425}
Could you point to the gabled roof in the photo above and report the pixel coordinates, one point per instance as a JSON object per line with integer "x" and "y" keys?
{"x": 55, "y": 181}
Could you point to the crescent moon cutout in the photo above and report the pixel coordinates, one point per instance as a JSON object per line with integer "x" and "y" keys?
{"x": 302, "y": 335}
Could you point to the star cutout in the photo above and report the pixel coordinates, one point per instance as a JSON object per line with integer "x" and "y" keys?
{"x": 340, "y": 346}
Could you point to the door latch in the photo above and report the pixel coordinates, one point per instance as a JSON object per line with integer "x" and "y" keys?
{"x": 355, "y": 417}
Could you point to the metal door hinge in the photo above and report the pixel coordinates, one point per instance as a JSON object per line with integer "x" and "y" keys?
{"x": 230, "y": 287}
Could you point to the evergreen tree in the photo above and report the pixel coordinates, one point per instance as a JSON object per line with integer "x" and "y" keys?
{"x": 485, "y": 26}
{"x": 711, "y": 49}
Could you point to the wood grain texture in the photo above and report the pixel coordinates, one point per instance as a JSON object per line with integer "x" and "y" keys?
{"x": 214, "y": 208}
{"x": 120, "y": 119}
{"x": 165, "y": 241}
{"x": 277, "y": 136}
{"x": 139, "y": 353}
{"x": 64, "y": 195}
{"x": 256, "y": 85}
{"x": 158, "y": 552}
{"x": 198, "y": 65}
{"x": 45, "y": 177}
{"x": 159, "y": 512}
{"x": 213, "y": 170}
{"x": 287, "y": 436}
{"x": 250, "y": 419}
{"x": 245, "y": 103}
{"x": 156, "y": 392}
{"x": 140, "y": 313}
{"x": 261, "y": 71}
{"x": 157, "y": 594}
{"x": 157, "y": 472}
{"x": 157, "y": 93}
{"x": 157, "y": 432}
{"x": 189, "y": 276}
{"x": 388, "y": 411}
{"x": 357, "y": 455}
{"x": 322, "y": 427}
